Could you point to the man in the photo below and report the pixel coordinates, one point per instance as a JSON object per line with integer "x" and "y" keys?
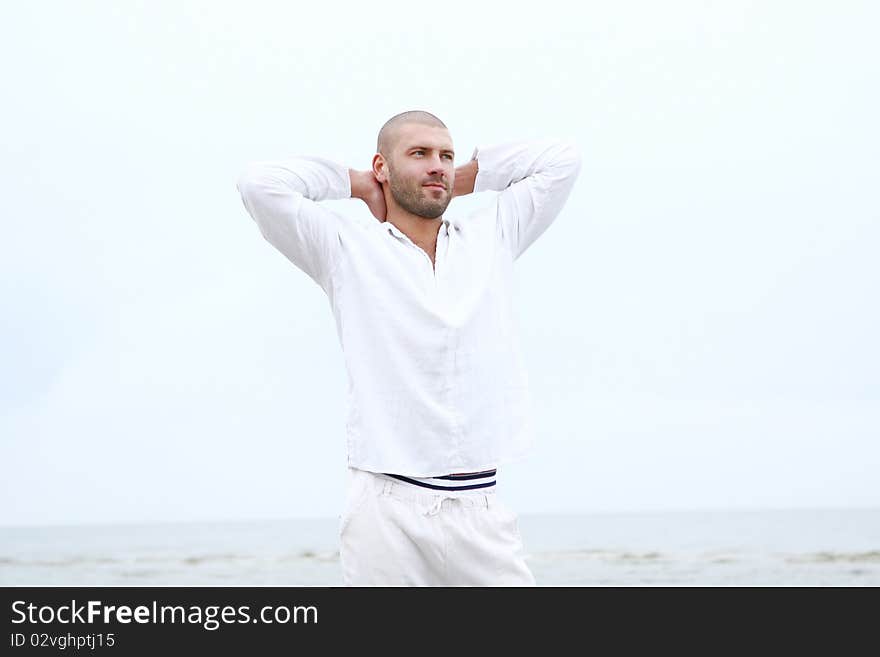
{"x": 437, "y": 394}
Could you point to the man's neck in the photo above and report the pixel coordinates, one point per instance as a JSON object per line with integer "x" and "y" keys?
{"x": 420, "y": 230}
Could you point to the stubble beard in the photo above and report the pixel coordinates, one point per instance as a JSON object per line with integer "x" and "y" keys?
{"x": 411, "y": 196}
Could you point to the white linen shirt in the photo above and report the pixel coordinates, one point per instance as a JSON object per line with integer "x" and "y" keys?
{"x": 436, "y": 380}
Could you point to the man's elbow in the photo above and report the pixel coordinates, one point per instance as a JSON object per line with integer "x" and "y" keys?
{"x": 249, "y": 181}
{"x": 566, "y": 160}
{"x": 570, "y": 155}
{"x": 256, "y": 187}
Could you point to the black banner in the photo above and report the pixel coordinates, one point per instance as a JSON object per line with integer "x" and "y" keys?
{"x": 176, "y": 620}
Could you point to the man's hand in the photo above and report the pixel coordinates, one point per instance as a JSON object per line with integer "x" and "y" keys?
{"x": 465, "y": 177}
{"x": 365, "y": 187}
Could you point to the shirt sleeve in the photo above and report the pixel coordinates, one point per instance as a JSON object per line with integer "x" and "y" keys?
{"x": 534, "y": 178}
{"x": 282, "y": 198}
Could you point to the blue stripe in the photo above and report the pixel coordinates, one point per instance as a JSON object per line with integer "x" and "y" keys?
{"x": 423, "y": 485}
{"x": 463, "y": 477}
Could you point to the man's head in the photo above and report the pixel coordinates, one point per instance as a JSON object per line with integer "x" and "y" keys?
{"x": 415, "y": 149}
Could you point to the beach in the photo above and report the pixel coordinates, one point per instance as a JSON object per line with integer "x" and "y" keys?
{"x": 830, "y": 547}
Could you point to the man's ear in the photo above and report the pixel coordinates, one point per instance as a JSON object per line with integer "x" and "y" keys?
{"x": 379, "y": 168}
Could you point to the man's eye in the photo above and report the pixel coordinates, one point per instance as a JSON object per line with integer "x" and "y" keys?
{"x": 446, "y": 155}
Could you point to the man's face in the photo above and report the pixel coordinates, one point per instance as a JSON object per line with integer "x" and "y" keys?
{"x": 421, "y": 171}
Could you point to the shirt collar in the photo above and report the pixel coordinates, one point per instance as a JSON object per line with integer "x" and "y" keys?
{"x": 394, "y": 230}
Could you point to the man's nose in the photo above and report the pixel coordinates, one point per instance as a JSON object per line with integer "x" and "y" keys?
{"x": 436, "y": 164}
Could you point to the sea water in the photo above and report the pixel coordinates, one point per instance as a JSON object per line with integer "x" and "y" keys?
{"x": 725, "y": 548}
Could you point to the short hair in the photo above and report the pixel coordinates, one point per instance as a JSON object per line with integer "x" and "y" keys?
{"x": 387, "y": 139}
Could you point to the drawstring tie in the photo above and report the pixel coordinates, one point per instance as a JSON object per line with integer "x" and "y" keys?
{"x": 436, "y": 505}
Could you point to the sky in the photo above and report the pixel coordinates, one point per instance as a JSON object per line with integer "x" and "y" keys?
{"x": 699, "y": 324}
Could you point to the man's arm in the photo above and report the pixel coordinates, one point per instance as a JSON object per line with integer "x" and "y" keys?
{"x": 282, "y": 198}
{"x": 535, "y": 179}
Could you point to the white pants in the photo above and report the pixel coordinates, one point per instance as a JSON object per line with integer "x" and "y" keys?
{"x": 397, "y": 534}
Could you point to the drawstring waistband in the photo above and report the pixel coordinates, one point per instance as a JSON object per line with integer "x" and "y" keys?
{"x": 430, "y": 503}
{"x": 460, "y": 481}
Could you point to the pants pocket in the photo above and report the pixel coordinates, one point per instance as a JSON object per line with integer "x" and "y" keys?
{"x": 507, "y": 517}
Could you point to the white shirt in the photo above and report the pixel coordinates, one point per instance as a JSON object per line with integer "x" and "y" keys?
{"x": 436, "y": 382}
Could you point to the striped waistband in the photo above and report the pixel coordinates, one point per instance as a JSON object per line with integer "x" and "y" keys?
{"x": 461, "y": 481}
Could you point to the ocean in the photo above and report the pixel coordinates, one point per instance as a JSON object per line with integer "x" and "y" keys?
{"x": 830, "y": 547}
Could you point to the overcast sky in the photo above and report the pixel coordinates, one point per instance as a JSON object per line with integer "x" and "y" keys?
{"x": 700, "y": 324}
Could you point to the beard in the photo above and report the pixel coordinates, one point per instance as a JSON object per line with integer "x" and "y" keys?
{"x": 413, "y": 197}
